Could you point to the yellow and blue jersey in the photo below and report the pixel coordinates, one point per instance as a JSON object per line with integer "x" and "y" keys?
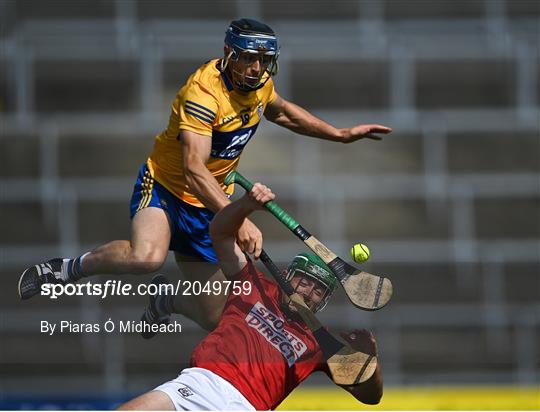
{"x": 209, "y": 106}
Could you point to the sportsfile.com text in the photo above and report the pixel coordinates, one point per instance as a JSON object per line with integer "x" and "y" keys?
{"x": 120, "y": 288}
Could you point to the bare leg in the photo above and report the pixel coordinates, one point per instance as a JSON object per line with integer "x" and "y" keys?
{"x": 205, "y": 309}
{"x": 150, "y": 401}
{"x": 144, "y": 253}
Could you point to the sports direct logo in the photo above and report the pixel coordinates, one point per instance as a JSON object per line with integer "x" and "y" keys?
{"x": 270, "y": 326}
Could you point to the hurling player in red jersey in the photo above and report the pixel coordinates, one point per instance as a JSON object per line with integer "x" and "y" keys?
{"x": 261, "y": 349}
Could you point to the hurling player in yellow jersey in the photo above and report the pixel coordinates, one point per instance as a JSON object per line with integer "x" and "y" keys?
{"x": 180, "y": 187}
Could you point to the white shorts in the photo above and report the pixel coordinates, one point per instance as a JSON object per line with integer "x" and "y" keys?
{"x": 197, "y": 389}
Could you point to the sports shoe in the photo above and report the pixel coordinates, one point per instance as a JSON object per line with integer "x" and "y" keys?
{"x": 52, "y": 271}
{"x": 155, "y": 312}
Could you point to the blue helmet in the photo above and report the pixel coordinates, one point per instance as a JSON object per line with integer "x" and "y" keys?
{"x": 250, "y": 39}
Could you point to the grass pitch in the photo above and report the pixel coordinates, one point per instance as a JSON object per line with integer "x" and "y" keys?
{"x": 420, "y": 398}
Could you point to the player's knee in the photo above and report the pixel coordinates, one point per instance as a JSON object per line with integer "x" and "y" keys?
{"x": 147, "y": 262}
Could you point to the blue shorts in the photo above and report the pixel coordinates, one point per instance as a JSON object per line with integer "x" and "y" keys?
{"x": 190, "y": 225}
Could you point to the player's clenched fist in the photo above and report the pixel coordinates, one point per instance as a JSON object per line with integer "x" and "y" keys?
{"x": 260, "y": 194}
{"x": 250, "y": 239}
{"x": 362, "y": 340}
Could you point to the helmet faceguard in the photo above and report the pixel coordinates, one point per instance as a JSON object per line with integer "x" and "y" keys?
{"x": 312, "y": 266}
{"x": 249, "y": 41}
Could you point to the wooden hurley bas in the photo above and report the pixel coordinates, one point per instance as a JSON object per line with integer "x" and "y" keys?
{"x": 347, "y": 366}
{"x": 365, "y": 290}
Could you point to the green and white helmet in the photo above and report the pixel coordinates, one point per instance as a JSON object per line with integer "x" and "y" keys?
{"x": 312, "y": 266}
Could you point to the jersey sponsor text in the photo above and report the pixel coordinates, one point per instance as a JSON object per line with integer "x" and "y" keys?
{"x": 270, "y": 326}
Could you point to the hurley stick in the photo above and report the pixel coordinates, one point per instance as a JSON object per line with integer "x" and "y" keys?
{"x": 347, "y": 366}
{"x": 364, "y": 290}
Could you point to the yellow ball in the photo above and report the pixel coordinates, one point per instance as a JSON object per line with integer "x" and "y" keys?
{"x": 359, "y": 253}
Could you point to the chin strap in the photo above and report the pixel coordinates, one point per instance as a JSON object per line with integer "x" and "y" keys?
{"x": 225, "y": 61}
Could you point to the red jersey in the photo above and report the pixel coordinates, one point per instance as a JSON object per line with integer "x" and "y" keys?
{"x": 257, "y": 348}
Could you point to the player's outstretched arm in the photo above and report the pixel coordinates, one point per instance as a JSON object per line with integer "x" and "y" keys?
{"x": 370, "y": 392}
{"x": 226, "y": 223}
{"x": 299, "y": 120}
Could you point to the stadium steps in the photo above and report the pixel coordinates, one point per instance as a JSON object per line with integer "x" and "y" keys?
{"x": 465, "y": 283}
{"x": 453, "y": 350}
{"x": 493, "y": 152}
{"x": 417, "y": 9}
{"x": 340, "y": 84}
{"x": 512, "y": 217}
{"x": 476, "y": 152}
{"x": 465, "y": 83}
{"x": 117, "y": 218}
{"x": 61, "y": 349}
{"x": 508, "y": 218}
{"x": 26, "y": 223}
{"x": 164, "y": 10}
{"x": 439, "y": 84}
{"x": 55, "y": 9}
{"x": 335, "y": 10}
{"x": 402, "y": 153}
{"x": 403, "y": 218}
{"x": 521, "y": 283}
{"x": 7, "y": 92}
{"x": 78, "y": 85}
{"x": 462, "y": 9}
{"x": 392, "y": 10}
{"x": 431, "y": 283}
{"x": 112, "y": 83}
{"x": 103, "y": 156}
{"x": 271, "y": 10}
{"x": 70, "y": 353}
{"x": 15, "y": 148}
